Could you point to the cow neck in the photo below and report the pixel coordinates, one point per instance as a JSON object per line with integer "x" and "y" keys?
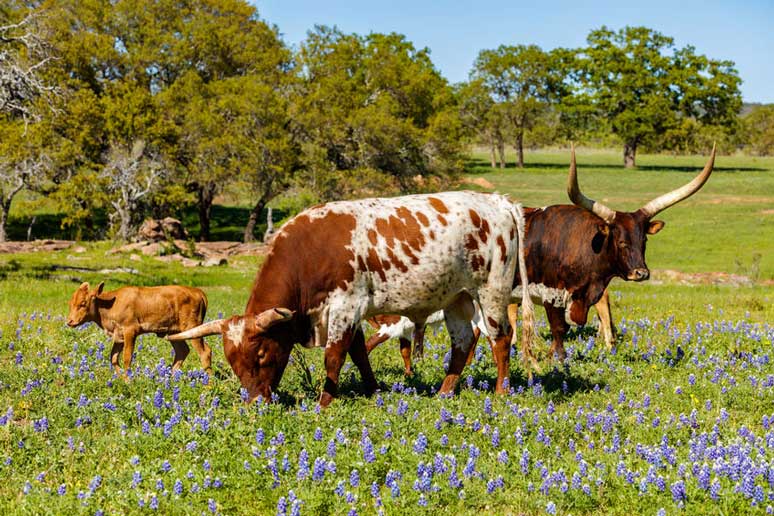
{"x": 272, "y": 289}
{"x": 103, "y": 307}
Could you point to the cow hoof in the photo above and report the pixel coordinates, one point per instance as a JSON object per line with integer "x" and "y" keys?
{"x": 408, "y": 373}
{"x": 325, "y": 399}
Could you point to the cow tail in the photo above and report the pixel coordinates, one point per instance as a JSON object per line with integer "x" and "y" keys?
{"x": 527, "y": 308}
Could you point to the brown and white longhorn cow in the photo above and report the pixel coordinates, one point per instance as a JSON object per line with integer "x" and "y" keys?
{"x": 336, "y": 264}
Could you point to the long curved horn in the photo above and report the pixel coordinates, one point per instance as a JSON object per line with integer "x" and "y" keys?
{"x": 272, "y": 316}
{"x": 573, "y": 191}
{"x": 665, "y": 201}
{"x": 203, "y": 330}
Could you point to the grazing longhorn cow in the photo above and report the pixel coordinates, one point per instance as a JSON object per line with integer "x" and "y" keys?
{"x": 574, "y": 251}
{"x": 131, "y": 311}
{"x": 336, "y": 264}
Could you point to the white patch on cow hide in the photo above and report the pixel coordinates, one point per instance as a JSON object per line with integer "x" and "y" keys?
{"x": 567, "y": 313}
{"x": 235, "y": 332}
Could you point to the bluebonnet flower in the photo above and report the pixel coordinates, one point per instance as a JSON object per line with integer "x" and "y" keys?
{"x": 303, "y": 465}
{"x": 420, "y": 444}
{"x": 154, "y": 502}
{"x": 318, "y": 434}
{"x": 318, "y": 469}
{"x": 95, "y": 483}
{"x": 177, "y": 488}
{"x": 551, "y": 508}
{"x": 61, "y": 490}
{"x": 354, "y": 478}
{"x": 368, "y": 450}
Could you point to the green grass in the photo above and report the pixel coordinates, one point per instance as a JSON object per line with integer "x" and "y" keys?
{"x": 691, "y": 385}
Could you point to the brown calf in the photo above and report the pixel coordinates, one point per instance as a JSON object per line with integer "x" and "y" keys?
{"x": 131, "y": 311}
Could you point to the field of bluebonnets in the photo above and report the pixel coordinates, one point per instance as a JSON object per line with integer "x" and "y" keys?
{"x": 678, "y": 420}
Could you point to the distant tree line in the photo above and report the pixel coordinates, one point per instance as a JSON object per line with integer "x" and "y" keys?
{"x": 142, "y": 107}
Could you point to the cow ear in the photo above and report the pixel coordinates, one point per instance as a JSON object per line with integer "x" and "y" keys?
{"x": 603, "y": 228}
{"x": 655, "y": 226}
{"x": 272, "y": 316}
{"x": 98, "y": 290}
{"x": 84, "y": 286}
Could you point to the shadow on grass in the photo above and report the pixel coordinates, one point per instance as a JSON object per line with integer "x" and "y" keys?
{"x": 475, "y": 166}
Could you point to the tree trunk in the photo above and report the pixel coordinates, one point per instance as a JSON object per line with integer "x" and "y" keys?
{"x": 520, "y": 148}
{"x": 4, "y": 209}
{"x": 501, "y": 151}
{"x": 630, "y": 152}
{"x": 206, "y": 197}
{"x": 269, "y": 226}
{"x": 492, "y": 154}
{"x": 252, "y": 220}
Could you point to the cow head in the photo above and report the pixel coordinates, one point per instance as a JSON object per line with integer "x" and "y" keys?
{"x": 624, "y": 234}
{"x": 253, "y": 346}
{"x": 83, "y": 304}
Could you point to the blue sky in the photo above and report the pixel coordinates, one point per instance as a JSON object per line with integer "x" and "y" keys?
{"x": 455, "y": 31}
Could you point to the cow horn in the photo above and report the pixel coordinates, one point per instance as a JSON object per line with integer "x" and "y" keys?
{"x": 272, "y": 316}
{"x": 573, "y": 191}
{"x": 203, "y": 330}
{"x": 665, "y": 201}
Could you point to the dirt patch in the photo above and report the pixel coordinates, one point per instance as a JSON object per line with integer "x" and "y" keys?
{"x": 205, "y": 254}
{"x": 35, "y": 246}
{"x": 736, "y": 199}
{"x": 766, "y": 212}
{"x": 700, "y": 278}
{"x": 479, "y": 181}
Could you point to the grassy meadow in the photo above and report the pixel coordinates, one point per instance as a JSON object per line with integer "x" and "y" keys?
{"x": 678, "y": 420}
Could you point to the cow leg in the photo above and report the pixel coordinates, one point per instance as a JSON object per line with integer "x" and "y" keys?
{"x": 474, "y": 343}
{"x": 606, "y": 326}
{"x": 419, "y": 339}
{"x": 375, "y": 340}
{"x": 335, "y": 354}
{"x": 181, "y": 351}
{"x": 205, "y": 354}
{"x": 129, "y": 336}
{"x": 405, "y": 353}
{"x": 359, "y": 356}
{"x": 115, "y": 351}
{"x": 502, "y": 354}
{"x": 458, "y": 316}
{"x": 559, "y": 329}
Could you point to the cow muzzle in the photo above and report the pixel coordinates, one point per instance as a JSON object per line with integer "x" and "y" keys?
{"x": 638, "y": 275}
{"x": 72, "y": 324}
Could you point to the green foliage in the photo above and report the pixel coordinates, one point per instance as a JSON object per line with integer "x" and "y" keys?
{"x": 759, "y": 130}
{"x": 524, "y": 80}
{"x": 371, "y": 114}
{"x": 645, "y": 87}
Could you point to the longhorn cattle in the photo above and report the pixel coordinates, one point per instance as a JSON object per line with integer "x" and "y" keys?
{"x": 131, "y": 311}
{"x": 336, "y": 264}
{"x": 572, "y": 253}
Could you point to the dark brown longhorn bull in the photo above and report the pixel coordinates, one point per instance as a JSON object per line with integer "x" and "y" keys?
{"x": 580, "y": 248}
